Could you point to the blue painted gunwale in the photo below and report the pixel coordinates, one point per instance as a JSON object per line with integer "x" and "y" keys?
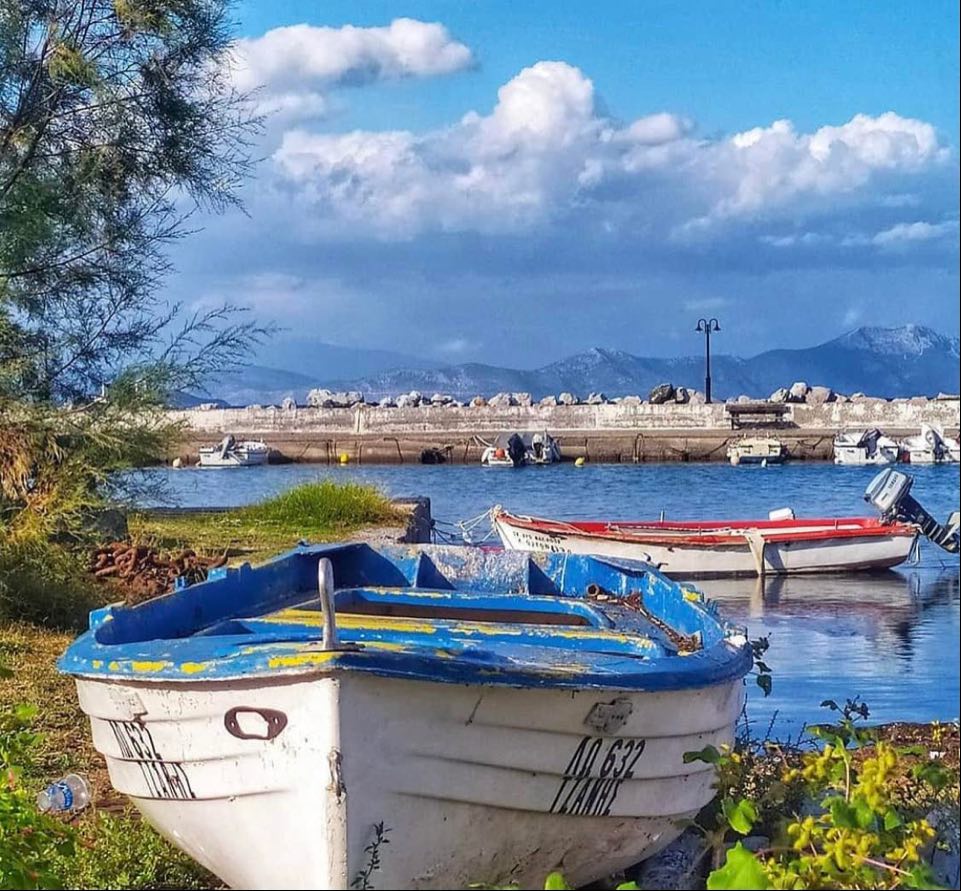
{"x": 264, "y": 622}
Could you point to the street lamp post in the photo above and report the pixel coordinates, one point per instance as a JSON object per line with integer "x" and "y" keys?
{"x": 707, "y": 326}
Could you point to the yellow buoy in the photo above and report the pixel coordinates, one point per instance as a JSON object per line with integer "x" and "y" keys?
{"x": 344, "y": 458}
{"x": 579, "y": 462}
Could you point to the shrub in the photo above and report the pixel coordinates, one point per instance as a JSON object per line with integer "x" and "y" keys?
{"x": 864, "y": 821}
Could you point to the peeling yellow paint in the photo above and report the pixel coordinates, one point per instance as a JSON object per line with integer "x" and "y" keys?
{"x": 194, "y": 667}
{"x": 147, "y": 666}
{"x": 357, "y": 621}
{"x": 97, "y": 663}
{"x": 114, "y": 665}
{"x": 302, "y": 659}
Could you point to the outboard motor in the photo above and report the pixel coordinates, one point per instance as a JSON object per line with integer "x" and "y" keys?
{"x": 537, "y": 447}
{"x": 890, "y": 493}
{"x": 226, "y": 445}
{"x": 516, "y": 450}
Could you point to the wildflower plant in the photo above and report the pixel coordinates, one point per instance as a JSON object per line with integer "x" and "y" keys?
{"x": 863, "y": 822}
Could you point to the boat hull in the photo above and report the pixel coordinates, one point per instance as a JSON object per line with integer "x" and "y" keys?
{"x": 472, "y": 783}
{"x": 233, "y": 459}
{"x": 737, "y": 555}
{"x": 757, "y": 459}
{"x": 857, "y": 455}
{"x": 924, "y": 455}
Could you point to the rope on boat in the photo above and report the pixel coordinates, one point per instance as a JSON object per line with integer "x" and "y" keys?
{"x": 465, "y": 530}
{"x": 467, "y": 527}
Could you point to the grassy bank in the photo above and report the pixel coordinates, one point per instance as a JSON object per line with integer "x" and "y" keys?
{"x": 45, "y": 592}
{"x": 321, "y": 511}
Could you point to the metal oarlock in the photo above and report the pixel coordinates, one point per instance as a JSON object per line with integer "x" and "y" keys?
{"x": 325, "y": 587}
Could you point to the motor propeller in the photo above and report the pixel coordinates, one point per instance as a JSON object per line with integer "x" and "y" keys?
{"x": 890, "y": 493}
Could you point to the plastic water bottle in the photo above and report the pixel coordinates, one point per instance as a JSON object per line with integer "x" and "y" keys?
{"x": 66, "y": 796}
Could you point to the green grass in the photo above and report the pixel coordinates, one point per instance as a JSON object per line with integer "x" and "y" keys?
{"x": 121, "y": 851}
{"x": 319, "y": 511}
{"x": 323, "y": 505}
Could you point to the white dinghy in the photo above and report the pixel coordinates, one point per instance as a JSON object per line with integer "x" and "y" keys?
{"x": 931, "y": 446}
{"x": 491, "y": 716}
{"x": 865, "y": 447}
{"x": 230, "y": 453}
{"x": 756, "y": 450}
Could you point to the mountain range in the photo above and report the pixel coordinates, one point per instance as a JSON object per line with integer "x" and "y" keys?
{"x": 905, "y": 361}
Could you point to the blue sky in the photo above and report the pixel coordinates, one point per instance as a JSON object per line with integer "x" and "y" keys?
{"x": 510, "y": 183}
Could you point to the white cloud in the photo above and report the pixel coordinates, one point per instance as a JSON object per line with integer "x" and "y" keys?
{"x": 545, "y": 154}
{"x": 907, "y": 233}
{"x": 294, "y": 67}
{"x": 656, "y": 129}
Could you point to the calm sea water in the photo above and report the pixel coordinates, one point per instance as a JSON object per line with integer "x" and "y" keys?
{"x": 891, "y": 638}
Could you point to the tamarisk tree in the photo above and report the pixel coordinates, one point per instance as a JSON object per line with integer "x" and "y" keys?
{"x": 117, "y": 121}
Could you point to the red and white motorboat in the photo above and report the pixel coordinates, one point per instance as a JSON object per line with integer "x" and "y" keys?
{"x": 780, "y": 545}
{"x": 722, "y": 548}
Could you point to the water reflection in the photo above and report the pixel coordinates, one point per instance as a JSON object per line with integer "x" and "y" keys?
{"x": 885, "y": 608}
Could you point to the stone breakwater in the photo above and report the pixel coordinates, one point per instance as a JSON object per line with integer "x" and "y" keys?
{"x": 602, "y": 432}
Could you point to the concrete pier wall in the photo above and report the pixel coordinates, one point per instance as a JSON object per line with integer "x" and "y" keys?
{"x": 613, "y": 432}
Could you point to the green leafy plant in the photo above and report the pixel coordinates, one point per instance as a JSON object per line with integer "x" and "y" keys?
{"x": 30, "y": 842}
{"x": 863, "y": 823}
{"x": 762, "y": 671}
{"x": 363, "y": 879}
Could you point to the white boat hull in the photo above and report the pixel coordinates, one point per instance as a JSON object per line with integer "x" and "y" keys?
{"x": 234, "y": 458}
{"x": 924, "y": 454}
{"x": 473, "y": 784}
{"x": 859, "y": 456}
{"x": 743, "y": 558}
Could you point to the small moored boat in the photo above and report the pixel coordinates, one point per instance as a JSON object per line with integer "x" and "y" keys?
{"x": 931, "y": 446}
{"x": 864, "y": 447}
{"x": 782, "y": 544}
{"x": 756, "y": 450}
{"x": 341, "y": 696}
{"x": 230, "y": 453}
{"x": 520, "y": 449}
{"x": 723, "y": 547}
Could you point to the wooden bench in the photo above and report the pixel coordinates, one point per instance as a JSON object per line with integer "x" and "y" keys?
{"x": 741, "y": 411}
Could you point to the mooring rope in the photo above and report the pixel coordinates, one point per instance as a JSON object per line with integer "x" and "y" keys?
{"x": 465, "y": 529}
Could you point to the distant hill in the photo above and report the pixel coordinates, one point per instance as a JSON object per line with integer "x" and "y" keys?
{"x": 316, "y": 362}
{"x": 906, "y": 361}
{"x": 253, "y": 385}
{"x": 326, "y": 361}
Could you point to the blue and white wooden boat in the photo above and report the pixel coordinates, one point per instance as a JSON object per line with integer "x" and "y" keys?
{"x": 490, "y": 715}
